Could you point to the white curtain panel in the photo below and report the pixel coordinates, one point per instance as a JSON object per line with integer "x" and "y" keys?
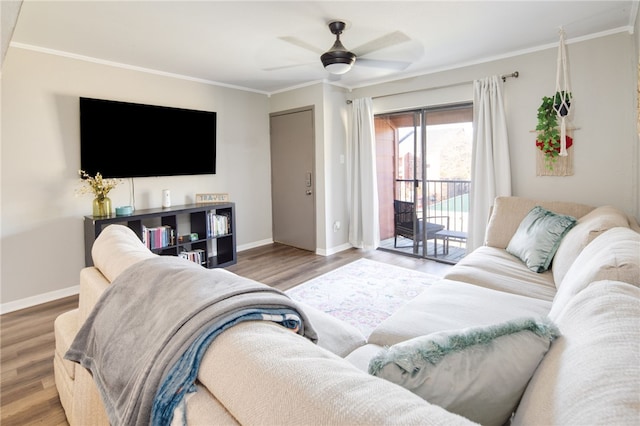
{"x": 490, "y": 168}
{"x": 362, "y": 193}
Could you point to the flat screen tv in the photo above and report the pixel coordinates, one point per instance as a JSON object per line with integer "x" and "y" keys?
{"x": 122, "y": 140}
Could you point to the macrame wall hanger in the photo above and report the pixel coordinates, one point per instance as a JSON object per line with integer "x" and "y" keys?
{"x": 562, "y": 105}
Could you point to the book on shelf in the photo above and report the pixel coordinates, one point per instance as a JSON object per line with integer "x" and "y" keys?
{"x": 158, "y": 237}
{"x": 197, "y": 256}
{"x": 218, "y": 224}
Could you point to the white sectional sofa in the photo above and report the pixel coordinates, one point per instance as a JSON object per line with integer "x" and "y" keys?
{"x": 588, "y": 371}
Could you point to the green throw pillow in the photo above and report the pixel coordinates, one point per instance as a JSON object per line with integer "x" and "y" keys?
{"x": 479, "y": 373}
{"x": 538, "y": 237}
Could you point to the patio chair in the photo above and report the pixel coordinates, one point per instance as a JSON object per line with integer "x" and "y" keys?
{"x": 403, "y": 213}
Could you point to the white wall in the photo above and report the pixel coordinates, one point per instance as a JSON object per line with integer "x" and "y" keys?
{"x": 636, "y": 92}
{"x": 41, "y": 218}
{"x": 603, "y": 74}
{"x": 336, "y": 126}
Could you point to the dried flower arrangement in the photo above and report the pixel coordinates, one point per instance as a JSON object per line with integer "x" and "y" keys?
{"x": 97, "y": 185}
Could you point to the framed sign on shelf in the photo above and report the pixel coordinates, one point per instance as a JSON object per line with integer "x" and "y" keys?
{"x": 212, "y": 198}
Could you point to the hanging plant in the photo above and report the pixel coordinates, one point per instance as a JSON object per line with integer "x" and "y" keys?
{"x": 548, "y": 139}
{"x": 553, "y": 119}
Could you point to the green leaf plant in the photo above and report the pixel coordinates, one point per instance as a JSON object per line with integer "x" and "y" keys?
{"x": 548, "y": 139}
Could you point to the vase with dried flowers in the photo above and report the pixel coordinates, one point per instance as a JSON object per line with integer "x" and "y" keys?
{"x": 99, "y": 187}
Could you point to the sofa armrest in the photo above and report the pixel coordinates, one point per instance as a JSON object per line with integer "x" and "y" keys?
{"x": 88, "y": 409}
{"x": 116, "y": 248}
{"x": 92, "y": 284}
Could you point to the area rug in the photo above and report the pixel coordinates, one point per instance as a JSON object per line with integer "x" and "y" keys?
{"x": 362, "y": 293}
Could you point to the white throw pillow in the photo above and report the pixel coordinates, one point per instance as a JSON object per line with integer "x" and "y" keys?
{"x": 478, "y": 372}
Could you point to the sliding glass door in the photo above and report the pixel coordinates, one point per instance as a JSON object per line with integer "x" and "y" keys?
{"x": 424, "y": 167}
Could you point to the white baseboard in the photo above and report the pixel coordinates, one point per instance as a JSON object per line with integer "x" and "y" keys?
{"x": 254, "y": 244}
{"x": 320, "y": 252}
{"x": 28, "y": 302}
{"x": 334, "y": 250}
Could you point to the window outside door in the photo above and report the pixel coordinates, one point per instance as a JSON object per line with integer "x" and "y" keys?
{"x": 424, "y": 171}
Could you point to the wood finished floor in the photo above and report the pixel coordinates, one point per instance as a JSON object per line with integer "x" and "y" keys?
{"x": 28, "y": 395}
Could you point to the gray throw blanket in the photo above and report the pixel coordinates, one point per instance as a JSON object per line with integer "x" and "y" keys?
{"x": 145, "y": 337}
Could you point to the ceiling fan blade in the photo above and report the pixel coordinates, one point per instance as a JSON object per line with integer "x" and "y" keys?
{"x": 303, "y": 44}
{"x": 385, "y": 41}
{"x": 282, "y": 67}
{"x": 382, "y": 63}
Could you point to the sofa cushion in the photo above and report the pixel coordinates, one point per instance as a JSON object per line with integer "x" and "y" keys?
{"x": 203, "y": 409}
{"x": 116, "y": 248}
{"x": 591, "y": 374}
{"x": 247, "y": 364}
{"x": 496, "y": 269}
{"x": 334, "y": 335}
{"x": 589, "y": 226}
{"x": 538, "y": 237}
{"x": 362, "y": 356}
{"x": 479, "y": 372}
{"x": 508, "y": 212}
{"x": 614, "y": 255}
{"x": 450, "y": 305}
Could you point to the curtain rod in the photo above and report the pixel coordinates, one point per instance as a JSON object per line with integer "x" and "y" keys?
{"x": 514, "y": 74}
{"x": 504, "y": 78}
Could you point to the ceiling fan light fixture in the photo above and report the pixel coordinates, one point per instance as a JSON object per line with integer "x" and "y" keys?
{"x": 337, "y": 60}
{"x": 338, "y": 68}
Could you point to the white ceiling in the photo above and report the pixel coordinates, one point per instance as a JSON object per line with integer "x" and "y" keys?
{"x": 239, "y": 43}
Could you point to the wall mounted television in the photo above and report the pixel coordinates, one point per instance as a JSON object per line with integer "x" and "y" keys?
{"x": 124, "y": 140}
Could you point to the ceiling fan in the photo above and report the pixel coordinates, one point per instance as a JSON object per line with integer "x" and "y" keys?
{"x": 338, "y": 60}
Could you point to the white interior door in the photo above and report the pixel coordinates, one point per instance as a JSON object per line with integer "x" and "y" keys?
{"x": 293, "y": 178}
